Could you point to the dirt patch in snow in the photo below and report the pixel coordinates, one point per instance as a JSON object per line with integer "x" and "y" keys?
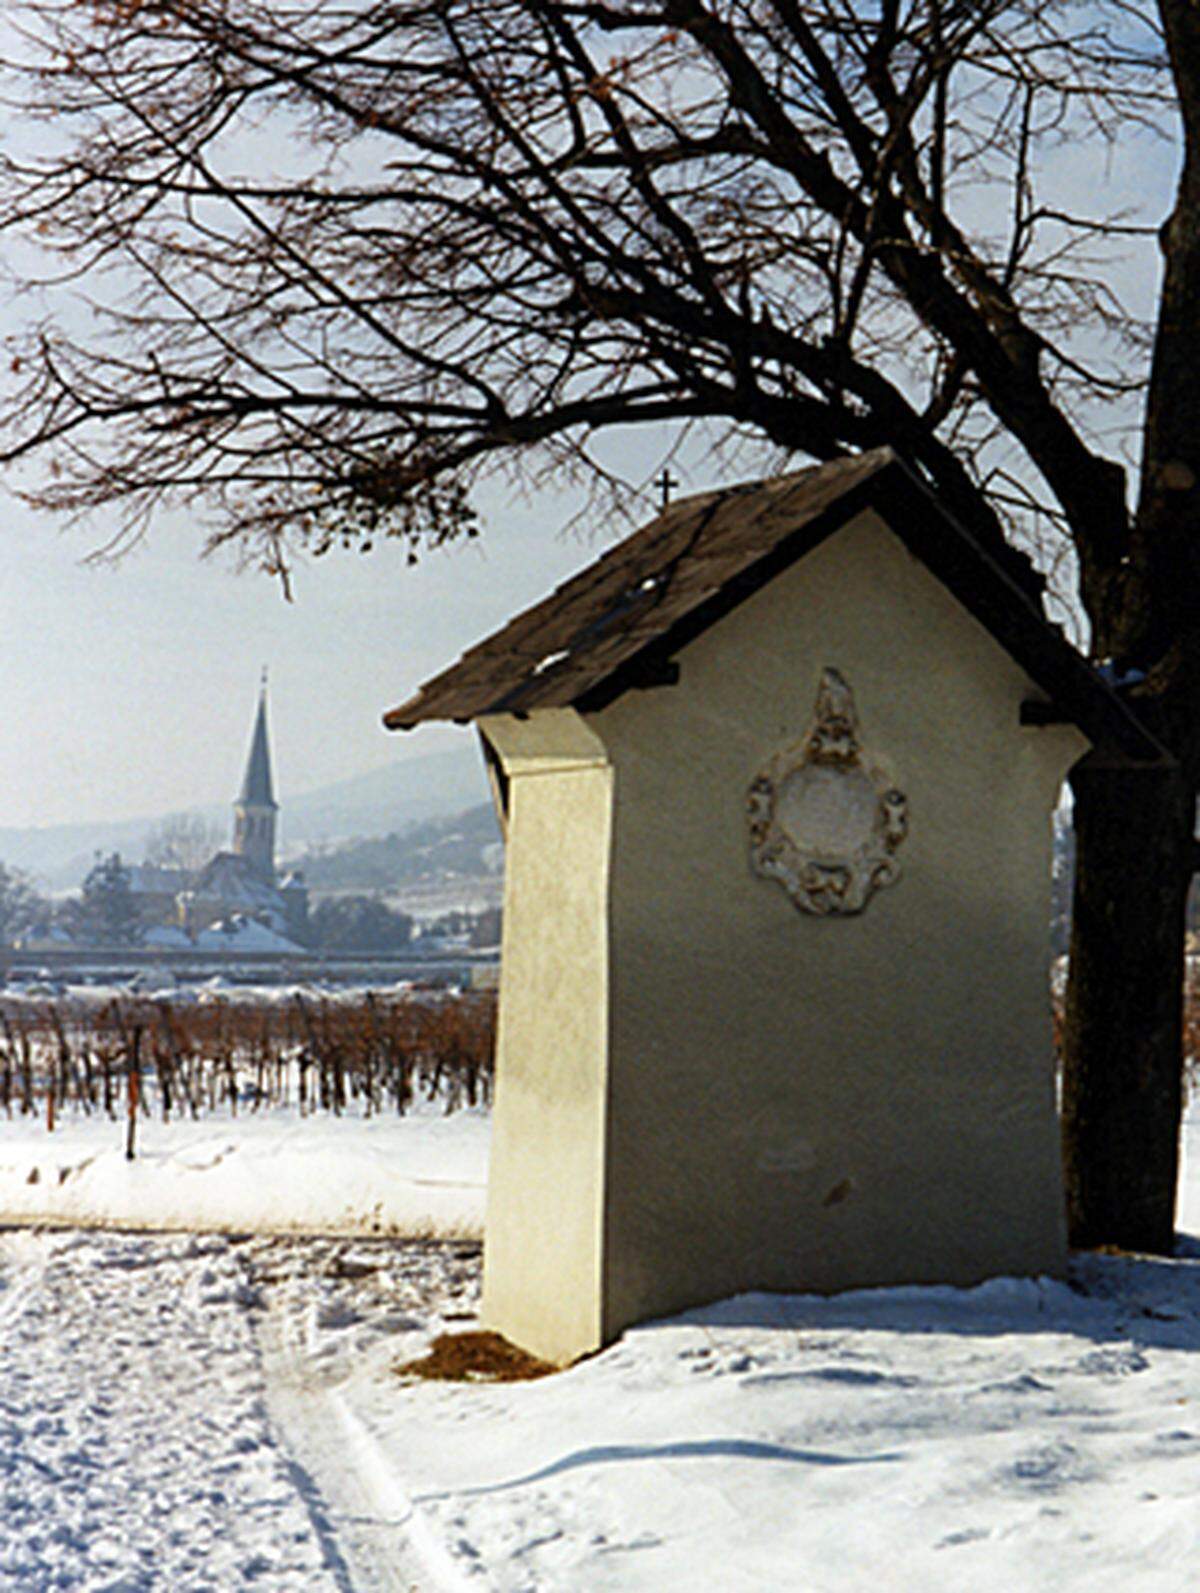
{"x": 475, "y": 1357}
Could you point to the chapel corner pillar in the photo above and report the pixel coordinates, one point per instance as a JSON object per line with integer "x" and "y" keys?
{"x": 543, "y": 1246}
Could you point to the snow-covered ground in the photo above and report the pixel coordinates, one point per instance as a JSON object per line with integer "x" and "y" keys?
{"x": 136, "y": 1448}
{"x": 422, "y": 1175}
{"x": 186, "y": 1412}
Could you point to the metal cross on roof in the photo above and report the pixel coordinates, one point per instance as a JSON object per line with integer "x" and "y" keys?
{"x": 667, "y": 482}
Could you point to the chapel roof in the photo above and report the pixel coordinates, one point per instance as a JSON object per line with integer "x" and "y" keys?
{"x": 615, "y": 625}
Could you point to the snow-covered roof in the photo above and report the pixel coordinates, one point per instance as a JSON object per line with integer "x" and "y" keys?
{"x": 234, "y": 880}
{"x": 238, "y": 933}
{"x": 145, "y": 878}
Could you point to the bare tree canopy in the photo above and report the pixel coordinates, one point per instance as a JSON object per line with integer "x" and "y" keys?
{"x": 348, "y": 254}
{"x": 183, "y": 841}
{"x": 20, "y": 905}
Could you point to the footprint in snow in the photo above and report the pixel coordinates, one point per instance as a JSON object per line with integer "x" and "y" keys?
{"x": 955, "y": 1540}
{"x": 1048, "y": 1467}
{"x": 1120, "y": 1361}
{"x": 335, "y": 1315}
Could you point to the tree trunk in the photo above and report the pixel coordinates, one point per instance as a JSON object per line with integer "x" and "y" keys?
{"x": 1122, "y": 1042}
{"x": 1122, "y": 1045}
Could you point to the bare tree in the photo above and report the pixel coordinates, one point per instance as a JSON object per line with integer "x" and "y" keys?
{"x": 348, "y": 253}
{"x": 106, "y": 912}
{"x": 21, "y": 908}
{"x": 184, "y": 841}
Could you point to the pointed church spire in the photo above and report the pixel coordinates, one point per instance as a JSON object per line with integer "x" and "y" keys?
{"x": 256, "y": 807}
{"x": 257, "y": 786}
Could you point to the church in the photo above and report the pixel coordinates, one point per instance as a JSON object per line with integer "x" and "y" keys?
{"x": 239, "y": 886}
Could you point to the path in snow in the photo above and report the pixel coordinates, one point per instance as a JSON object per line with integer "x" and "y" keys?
{"x": 135, "y": 1450}
{"x": 336, "y": 1310}
{"x": 151, "y": 1394}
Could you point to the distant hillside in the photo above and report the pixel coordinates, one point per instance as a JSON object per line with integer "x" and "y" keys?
{"x": 385, "y": 800}
{"x": 382, "y": 801}
{"x": 59, "y": 855}
{"x": 466, "y": 846}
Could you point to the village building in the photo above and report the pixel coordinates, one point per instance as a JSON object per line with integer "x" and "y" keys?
{"x": 156, "y": 888}
{"x": 777, "y": 776}
{"x": 240, "y": 885}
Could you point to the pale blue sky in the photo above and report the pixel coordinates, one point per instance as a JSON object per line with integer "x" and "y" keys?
{"x": 129, "y": 689}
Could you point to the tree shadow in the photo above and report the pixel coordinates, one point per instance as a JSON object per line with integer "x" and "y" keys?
{"x": 326, "y": 1533}
{"x": 683, "y": 1449}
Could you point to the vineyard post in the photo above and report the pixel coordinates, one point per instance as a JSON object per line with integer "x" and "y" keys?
{"x": 135, "y": 1082}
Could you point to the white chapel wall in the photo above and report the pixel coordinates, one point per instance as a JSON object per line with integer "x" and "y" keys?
{"x": 802, "y": 1102}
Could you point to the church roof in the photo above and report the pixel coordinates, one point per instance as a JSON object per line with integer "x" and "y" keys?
{"x": 233, "y": 879}
{"x": 256, "y": 787}
{"x": 616, "y": 624}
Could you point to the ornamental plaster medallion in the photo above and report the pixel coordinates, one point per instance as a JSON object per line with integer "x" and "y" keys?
{"x": 823, "y": 821}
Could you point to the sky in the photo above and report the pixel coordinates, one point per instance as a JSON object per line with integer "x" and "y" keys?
{"x": 129, "y": 688}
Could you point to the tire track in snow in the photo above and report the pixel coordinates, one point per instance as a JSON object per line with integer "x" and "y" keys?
{"x": 365, "y": 1505}
{"x": 337, "y": 1310}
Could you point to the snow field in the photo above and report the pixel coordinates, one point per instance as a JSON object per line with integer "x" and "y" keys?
{"x": 206, "y": 1413}
{"x": 183, "y": 1412}
{"x": 1021, "y": 1435}
{"x": 423, "y": 1175}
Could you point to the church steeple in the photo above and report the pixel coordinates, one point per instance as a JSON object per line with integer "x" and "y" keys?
{"x": 256, "y": 807}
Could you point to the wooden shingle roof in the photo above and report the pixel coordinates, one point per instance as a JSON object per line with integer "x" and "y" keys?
{"x": 616, "y": 624}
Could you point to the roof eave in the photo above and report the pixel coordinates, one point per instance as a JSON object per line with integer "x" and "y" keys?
{"x": 957, "y": 560}
{"x": 976, "y": 579}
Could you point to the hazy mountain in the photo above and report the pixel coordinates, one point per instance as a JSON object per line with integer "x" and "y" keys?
{"x": 380, "y": 802}
{"x": 385, "y": 800}
{"x": 59, "y": 855}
